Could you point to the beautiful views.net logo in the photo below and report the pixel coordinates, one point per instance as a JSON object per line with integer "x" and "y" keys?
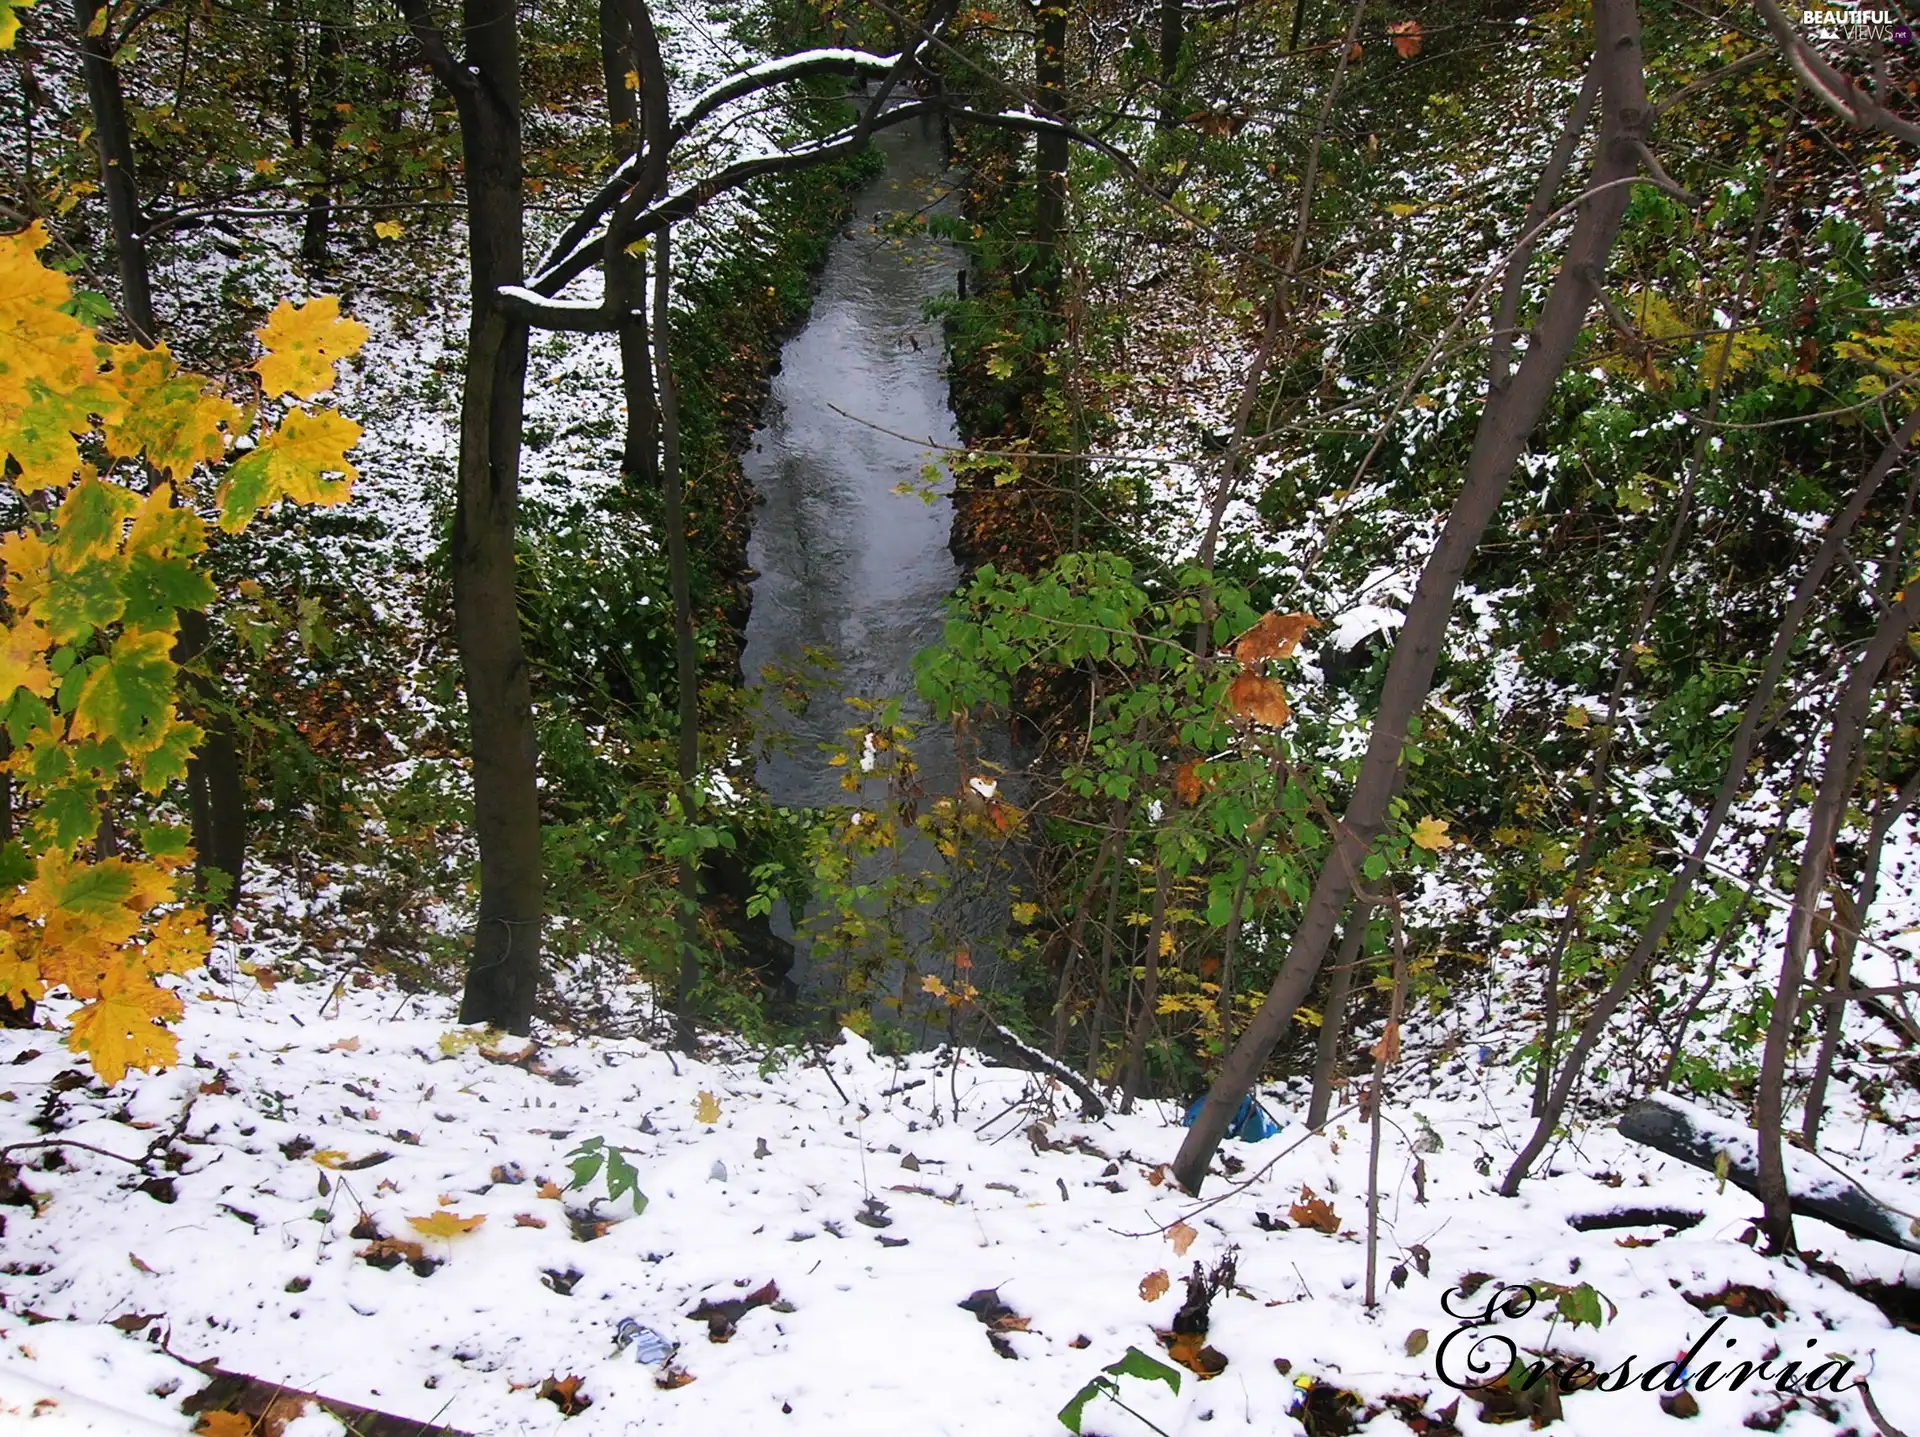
{"x": 1849, "y": 22}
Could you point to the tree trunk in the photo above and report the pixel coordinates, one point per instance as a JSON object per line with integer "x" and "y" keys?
{"x": 216, "y": 799}
{"x": 1333, "y": 1020}
{"x": 1508, "y": 418}
{"x": 1050, "y": 149}
{"x": 616, "y": 63}
{"x": 1173, "y": 38}
{"x": 328, "y": 79}
{"x": 1144, "y": 1020}
{"x": 1823, "y": 826}
{"x": 504, "y": 969}
{"x": 1731, "y": 783}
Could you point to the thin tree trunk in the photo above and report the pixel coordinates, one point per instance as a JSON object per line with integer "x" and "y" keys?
{"x": 1508, "y": 418}
{"x": 1384, "y": 1057}
{"x": 1823, "y": 825}
{"x": 1851, "y": 915}
{"x": 1173, "y": 38}
{"x": 1145, "y": 1019}
{"x": 328, "y": 81}
{"x": 686, "y": 659}
{"x": 616, "y": 64}
{"x": 216, "y": 799}
{"x": 1122, "y": 814}
{"x": 1097, "y": 1023}
{"x": 504, "y": 969}
{"x": 1732, "y": 780}
{"x": 1333, "y": 1020}
{"x": 1051, "y": 149}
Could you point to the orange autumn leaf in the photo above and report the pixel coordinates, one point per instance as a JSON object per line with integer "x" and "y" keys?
{"x": 1387, "y": 1050}
{"x": 527, "y": 1219}
{"x": 1154, "y": 1285}
{"x": 1276, "y": 636}
{"x": 224, "y": 1424}
{"x": 1258, "y": 700}
{"x": 1314, "y": 1212}
{"x": 1406, "y": 37}
{"x": 549, "y": 1189}
{"x": 1181, "y": 1236}
{"x": 1187, "y": 783}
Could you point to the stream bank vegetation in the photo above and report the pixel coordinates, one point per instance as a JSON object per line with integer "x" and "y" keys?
{"x": 1440, "y": 501}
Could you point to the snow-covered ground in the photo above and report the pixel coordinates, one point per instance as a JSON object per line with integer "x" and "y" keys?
{"x": 308, "y": 1124}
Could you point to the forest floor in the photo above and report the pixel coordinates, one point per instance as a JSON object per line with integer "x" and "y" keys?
{"x": 289, "y": 1203}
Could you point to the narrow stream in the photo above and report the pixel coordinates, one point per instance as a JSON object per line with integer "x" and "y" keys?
{"x": 848, "y": 568}
{"x": 852, "y": 575}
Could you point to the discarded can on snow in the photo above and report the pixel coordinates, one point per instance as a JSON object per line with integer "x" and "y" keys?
{"x": 650, "y": 1349}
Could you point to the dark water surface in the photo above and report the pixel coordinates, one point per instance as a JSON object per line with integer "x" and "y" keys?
{"x": 849, "y": 569}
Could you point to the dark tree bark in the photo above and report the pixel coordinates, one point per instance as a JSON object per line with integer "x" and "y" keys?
{"x": 328, "y": 78}
{"x": 1333, "y": 1018}
{"x": 1050, "y": 148}
{"x": 215, "y": 795}
{"x": 1173, "y": 39}
{"x": 504, "y": 967}
{"x": 616, "y": 63}
{"x": 1732, "y": 780}
{"x": 1823, "y": 826}
{"x": 1511, "y": 411}
{"x": 1148, "y": 1015}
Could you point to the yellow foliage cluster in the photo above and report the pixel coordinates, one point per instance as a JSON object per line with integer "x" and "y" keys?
{"x": 109, "y": 439}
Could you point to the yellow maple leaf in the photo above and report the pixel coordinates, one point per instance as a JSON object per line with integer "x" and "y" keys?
{"x": 23, "y": 659}
{"x": 38, "y": 343}
{"x": 10, "y": 22}
{"x": 304, "y": 460}
{"x": 706, "y": 1108}
{"x": 19, "y": 975}
{"x": 180, "y": 942}
{"x": 1576, "y": 716}
{"x": 168, "y": 415}
{"x": 303, "y": 343}
{"x": 223, "y": 1424}
{"x": 330, "y": 1158}
{"x": 389, "y": 229}
{"x": 121, "y": 1028}
{"x": 26, "y": 557}
{"x": 1431, "y": 834}
{"x": 447, "y": 1225}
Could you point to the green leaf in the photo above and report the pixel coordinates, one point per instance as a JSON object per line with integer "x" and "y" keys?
{"x": 1581, "y": 1305}
{"x": 1137, "y": 1364}
{"x": 88, "y": 598}
{"x": 157, "y": 588}
{"x": 16, "y": 864}
{"x": 1073, "y": 1413}
{"x": 129, "y": 697}
{"x": 585, "y": 1169}
{"x": 622, "y": 1179}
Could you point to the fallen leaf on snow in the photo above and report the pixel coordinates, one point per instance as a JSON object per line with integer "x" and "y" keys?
{"x": 445, "y": 1224}
{"x": 1154, "y": 1286}
{"x": 133, "y": 1260}
{"x": 706, "y": 1108}
{"x": 527, "y": 1219}
{"x": 1314, "y": 1212}
{"x": 345, "y": 1045}
{"x": 565, "y": 1393}
{"x": 1181, "y": 1236}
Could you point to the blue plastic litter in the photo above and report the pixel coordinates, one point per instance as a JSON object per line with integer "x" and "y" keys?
{"x": 1250, "y": 1124}
{"x": 649, "y": 1347}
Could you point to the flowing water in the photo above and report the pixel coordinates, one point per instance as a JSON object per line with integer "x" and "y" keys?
{"x": 853, "y": 575}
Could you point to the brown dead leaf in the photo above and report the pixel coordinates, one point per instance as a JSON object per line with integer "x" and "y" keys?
{"x": 1355, "y": 51}
{"x": 1154, "y": 1285}
{"x": 1276, "y": 636}
{"x": 1155, "y": 1175}
{"x": 1314, "y": 1212}
{"x": 1258, "y": 700}
{"x": 527, "y": 1219}
{"x": 548, "y": 1189}
{"x": 1406, "y": 37}
{"x": 1012, "y": 1322}
{"x": 672, "y": 1377}
{"x": 133, "y": 1260}
{"x": 345, "y": 1045}
{"x": 1187, "y": 783}
{"x": 565, "y": 1393}
{"x": 1387, "y": 1050}
{"x": 1190, "y": 1350}
{"x": 1181, "y": 1236}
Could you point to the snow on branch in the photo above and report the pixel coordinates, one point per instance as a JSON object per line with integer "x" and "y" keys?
{"x": 804, "y": 65}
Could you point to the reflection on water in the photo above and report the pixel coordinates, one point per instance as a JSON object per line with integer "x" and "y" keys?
{"x": 852, "y": 572}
